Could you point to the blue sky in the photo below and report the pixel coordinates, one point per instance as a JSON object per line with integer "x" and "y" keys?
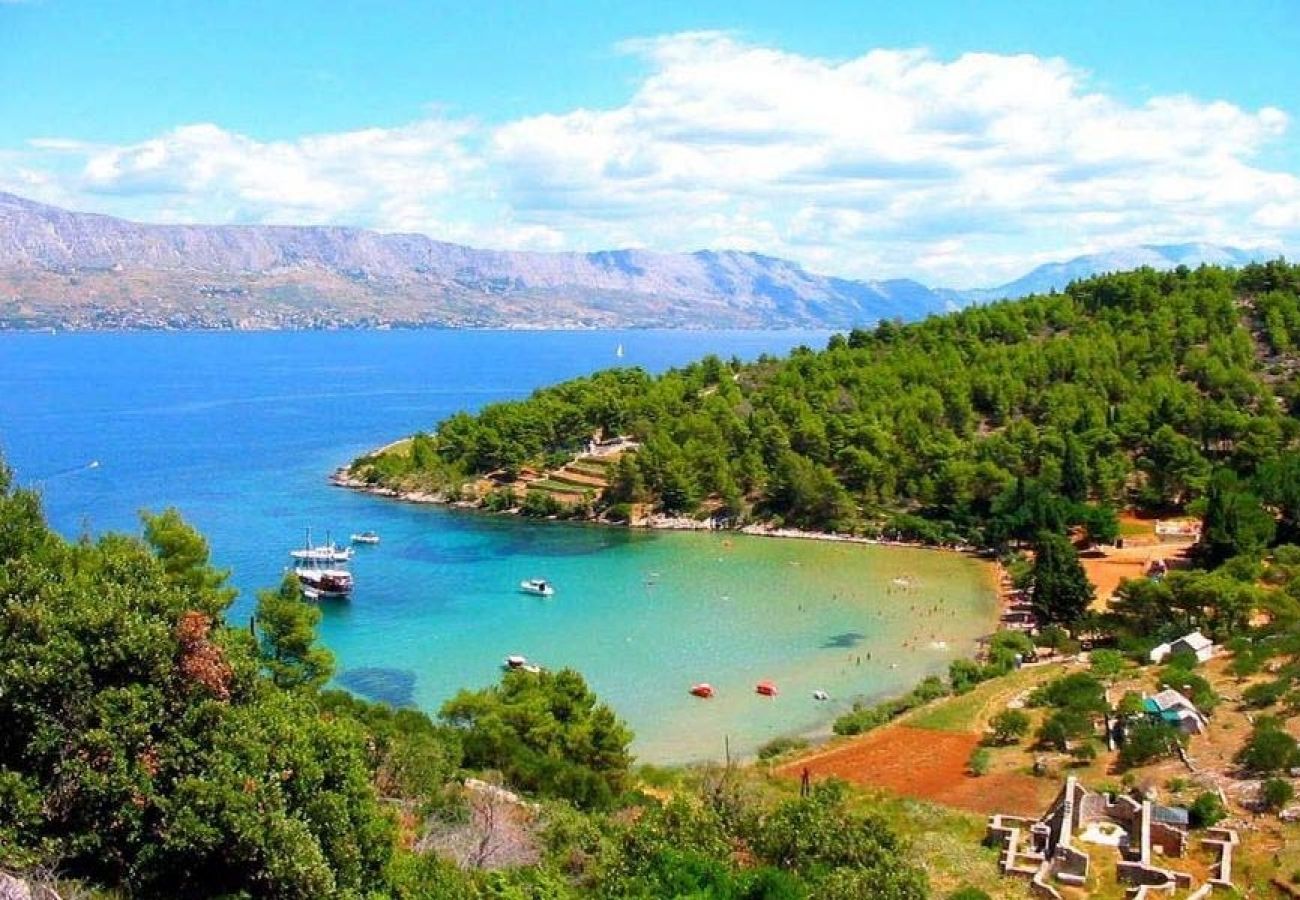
{"x": 957, "y": 142}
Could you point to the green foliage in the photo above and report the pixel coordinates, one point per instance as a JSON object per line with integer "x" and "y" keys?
{"x": 1275, "y": 793}
{"x": 1062, "y": 727}
{"x": 980, "y": 760}
{"x": 1269, "y": 749}
{"x": 287, "y": 625}
{"x": 781, "y": 745}
{"x": 546, "y": 732}
{"x": 1235, "y": 522}
{"x": 1078, "y": 691}
{"x": 1008, "y": 726}
{"x": 143, "y": 747}
{"x": 987, "y": 425}
{"x": 1146, "y": 740}
{"x": 865, "y": 718}
{"x": 1106, "y": 664}
{"x": 968, "y": 893}
{"x": 1207, "y": 810}
{"x": 1059, "y": 589}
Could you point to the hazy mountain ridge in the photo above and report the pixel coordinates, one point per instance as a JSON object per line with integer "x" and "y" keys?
{"x": 70, "y": 269}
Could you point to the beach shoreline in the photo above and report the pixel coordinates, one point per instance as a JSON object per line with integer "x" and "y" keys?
{"x": 653, "y": 522}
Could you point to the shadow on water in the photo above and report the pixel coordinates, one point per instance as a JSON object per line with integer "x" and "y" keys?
{"x": 493, "y": 538}
{"x": 396, "y": 687}
{"x": 843, "y": 641}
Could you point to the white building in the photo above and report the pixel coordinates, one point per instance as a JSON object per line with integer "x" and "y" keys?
{"x": 1177, "y": 710}
{"x": 1194, "y": 643}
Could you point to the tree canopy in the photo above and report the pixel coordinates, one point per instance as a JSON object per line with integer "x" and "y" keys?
{"x": 986, "y": 425}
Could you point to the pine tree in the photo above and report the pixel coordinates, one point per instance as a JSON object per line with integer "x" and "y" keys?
{"x": 1234, "y": 521}
{"x": 1074, "y": 471}
{"x": 1059, "y": 588}
{"x": 288, "y": 628}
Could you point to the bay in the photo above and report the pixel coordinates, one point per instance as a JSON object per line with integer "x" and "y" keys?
{"x": 239, "y": 430}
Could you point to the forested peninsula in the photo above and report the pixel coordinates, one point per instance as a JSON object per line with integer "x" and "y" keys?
{"x": 1145, "y": 389}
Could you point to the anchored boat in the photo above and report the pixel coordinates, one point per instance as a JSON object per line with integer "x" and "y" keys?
{"x": 329, "y": 552}
{"x": 539, "y": 587}
{"x": 703, "y": 689}
{"x": 318, "y": 582}
{"x": 365, "y": 537}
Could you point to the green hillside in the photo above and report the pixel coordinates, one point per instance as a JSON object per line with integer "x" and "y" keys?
{"x": 1125, "y": 389}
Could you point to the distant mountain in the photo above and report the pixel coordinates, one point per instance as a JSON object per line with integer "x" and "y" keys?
{"x": 66, "y": 268}
{"x": 80, "y": 270}
{"x": 1055, "y": 276}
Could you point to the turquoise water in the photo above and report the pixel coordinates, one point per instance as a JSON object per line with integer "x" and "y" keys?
{"x": 239, "y": 431}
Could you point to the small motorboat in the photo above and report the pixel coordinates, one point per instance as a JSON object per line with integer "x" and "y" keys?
{"x": 516, "y": 662}
{"x": 538, "y": 587}
{"x": 820, "y": 695}
{"x": 365, "y": 537}
{"x": 531, "y": 668}
{"x": 703, "y": 689}
{"x": 766, "y": 688}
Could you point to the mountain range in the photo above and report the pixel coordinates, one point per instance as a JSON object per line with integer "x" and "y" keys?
{"x": 67, "y": 269}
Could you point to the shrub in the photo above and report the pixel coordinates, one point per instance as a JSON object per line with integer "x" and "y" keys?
{"x": 1206, "y": 810}
{"x": 964, "y": 674}
{"x": 1078, "y": 691}
{"x": 1276, "y": 793}
{"x": 980, "y": 760}
{"x": 1107, "y": 664}
{"x": 779, "y": 745}
{"x": 1145, "y": 741}
{"x": 1063, "y": 726}
{"x": 968, "y": 893}
{"x": 1269, "y": 749}
{"x": 1008, "y": 726}
{"x": 1084, "y": 752}
{"x": 1259, "y": 696}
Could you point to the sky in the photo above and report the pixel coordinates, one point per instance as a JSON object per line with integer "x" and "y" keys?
{"x": 957, "y": 143}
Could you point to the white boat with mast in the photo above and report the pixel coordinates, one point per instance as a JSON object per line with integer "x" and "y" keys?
{"x": 329, "y": 552}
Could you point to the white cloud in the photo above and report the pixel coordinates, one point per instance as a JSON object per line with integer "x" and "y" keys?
{"x": 891, "y": 163}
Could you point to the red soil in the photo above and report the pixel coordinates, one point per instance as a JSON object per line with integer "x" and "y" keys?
{"x": 928, "y": 765}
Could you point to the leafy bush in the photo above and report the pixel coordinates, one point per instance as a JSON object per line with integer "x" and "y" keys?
{"x": 1276, "y": 793}
{"x": 780, "y": 745}
{"x": 1269, "y": 749}
{"x": 980, "y": 760}
{"x": 546, "y": 732}
{"x": 1206, "y": 810}
{"x": 1147, "y": 740}
{"x": 1008, "y": 726}
{"x": 1077, "y": 691}
{"x": 1107, "y": 664}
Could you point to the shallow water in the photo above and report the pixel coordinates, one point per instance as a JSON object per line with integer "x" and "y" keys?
{"x": 240, "y": 430}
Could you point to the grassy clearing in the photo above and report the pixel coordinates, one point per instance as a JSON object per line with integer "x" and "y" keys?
{"x": 558, "y": 487}
{"x": 969, "y": 712}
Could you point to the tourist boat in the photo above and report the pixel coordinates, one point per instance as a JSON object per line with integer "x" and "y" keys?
{"x": 323, "y": 582}
{"x": 538, "y": 586}
{"x": 328, "y": 552}
{"x": 515, "y": 661}
{"x": 365, "y": 537}
{"x": 703, "y": 689}
{"x": 821, "y": 695}
{"x": 766, "y": 688}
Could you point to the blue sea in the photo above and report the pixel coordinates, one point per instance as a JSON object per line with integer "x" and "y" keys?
{"x": 239, "y": 431}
